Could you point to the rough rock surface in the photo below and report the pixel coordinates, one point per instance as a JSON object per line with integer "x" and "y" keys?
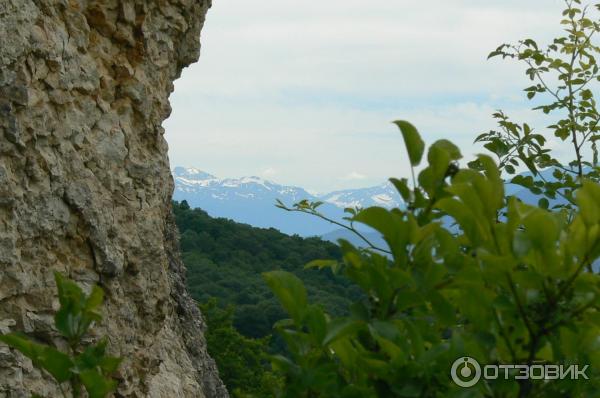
{"x": 85, "y": 185}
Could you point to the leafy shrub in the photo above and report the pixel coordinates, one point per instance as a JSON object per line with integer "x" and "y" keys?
{"x": 470, "y": 271}
{"x": 510, "y": 289}
{"x": 81, "y": 366}
{"x": 562, "y": 74}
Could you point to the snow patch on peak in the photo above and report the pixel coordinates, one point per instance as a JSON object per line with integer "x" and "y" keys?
{"x": 192, "y": 173}
{"x": 255, "y": 180}
{"x": 383, "y": 199}
{"x": 193, "y": 170}
{"x": 382, "y": 195}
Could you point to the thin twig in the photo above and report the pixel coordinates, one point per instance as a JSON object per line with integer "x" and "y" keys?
{"x": 339, "y": 224}
{"x": 513, "y": 289}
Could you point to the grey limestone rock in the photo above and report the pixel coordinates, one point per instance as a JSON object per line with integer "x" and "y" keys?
{"x": 85, "y": 185}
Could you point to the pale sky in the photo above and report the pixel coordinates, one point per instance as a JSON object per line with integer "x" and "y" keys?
{"x": 303, "y": 93}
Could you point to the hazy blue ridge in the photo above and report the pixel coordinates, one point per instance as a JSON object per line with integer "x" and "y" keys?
{"x": 251, "y": 200}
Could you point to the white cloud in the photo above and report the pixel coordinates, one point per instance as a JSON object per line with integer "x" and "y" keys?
{"x": 354, "y": 176}
{"x": 269, "y": 172}
{"x": 307, "y": 89}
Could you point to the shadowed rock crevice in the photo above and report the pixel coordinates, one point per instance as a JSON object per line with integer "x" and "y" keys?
{"x": 85, "y": 186}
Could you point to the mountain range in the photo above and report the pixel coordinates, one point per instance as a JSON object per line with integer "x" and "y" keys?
{"x": 251, "y": 200}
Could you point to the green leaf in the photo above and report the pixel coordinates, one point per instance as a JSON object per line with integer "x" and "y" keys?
{"x": 316, "y": 322}
{"x": 440, "y": 156}
{"x": 68, "y": 291}
{"x": 340, "y": 328}
{"x": 72, "y": 301}
{"x": 390, "y": 225}
{"x": 77, "y": 311}
{"x": 95, "y": 299}
{"x": 57, "y": 363}
{"x": 94, "y": 357}
{"x": 442, "y": 308}
{"x": 448, "y": 147}
{"x": 109, "y": 364}
{"x": 290, "y": 291}
{"x": 496, "y": 184}
{"x": 459, "y": 212}
{"x": 97, "y": 385}
{"x": 542, "y": 230}
{"x": 412, "y": 140}
{"x": 320, "y": 264}
{"x": 588, "y": 199}
{"x": 402, "y": 188}
{"x": 346, "y": 353}
{"x": 282, "y": 364}
{"x": 386, "y": 334}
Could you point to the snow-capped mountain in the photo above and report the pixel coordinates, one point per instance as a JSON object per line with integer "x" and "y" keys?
{"x": 251, "y": 200}
{"x": 384, "y": 195}
{"x": 191, "y": 181}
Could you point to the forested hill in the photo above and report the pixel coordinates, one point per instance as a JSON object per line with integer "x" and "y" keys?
{"x": 225, "y": 260}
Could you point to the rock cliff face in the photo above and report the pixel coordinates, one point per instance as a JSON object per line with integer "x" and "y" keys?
{"x": 85, "y": 185}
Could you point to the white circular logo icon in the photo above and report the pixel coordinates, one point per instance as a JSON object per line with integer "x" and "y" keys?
{"x": 465, "y": 372}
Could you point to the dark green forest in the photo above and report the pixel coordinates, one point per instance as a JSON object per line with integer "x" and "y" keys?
{"x": 225, "y": 260}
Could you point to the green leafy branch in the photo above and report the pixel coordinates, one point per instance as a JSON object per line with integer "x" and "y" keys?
{"x": 81, "y": 367}
{"x": 570, "y": 64}
{"x": 308, "y": 207}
